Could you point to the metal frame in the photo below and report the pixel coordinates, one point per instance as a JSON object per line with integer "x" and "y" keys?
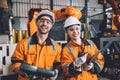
{"x": 109, "y": 41}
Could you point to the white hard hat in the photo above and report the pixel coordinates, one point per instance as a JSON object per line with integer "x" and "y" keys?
{"x": 46, "y": 13}
{"x": 71, "y": 21}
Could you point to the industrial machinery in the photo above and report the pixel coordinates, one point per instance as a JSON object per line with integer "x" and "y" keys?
{"x": 116, "y": 15}
{"x": 115, "y": 28}
{"x": 63, "y": 13}
{"x": 111, "y": 38}
{"x": 32, "y": 14}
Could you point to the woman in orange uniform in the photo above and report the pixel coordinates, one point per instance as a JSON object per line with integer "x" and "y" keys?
{"x": 39, "y": 50}
{"x": 77, "y": 53}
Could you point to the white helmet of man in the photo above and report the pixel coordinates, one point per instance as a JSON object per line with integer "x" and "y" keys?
{"x": 71, "y": 21}
{"x": 46, "y": 13}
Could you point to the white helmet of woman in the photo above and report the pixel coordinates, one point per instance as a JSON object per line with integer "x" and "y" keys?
{"x": 71, "y": 21}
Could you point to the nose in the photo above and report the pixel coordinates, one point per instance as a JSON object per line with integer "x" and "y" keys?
{"x": 75, "y": 30}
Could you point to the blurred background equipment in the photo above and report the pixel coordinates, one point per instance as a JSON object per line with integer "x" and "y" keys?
{"x": 64, "y": 13}
{"x": 3, "y": 4}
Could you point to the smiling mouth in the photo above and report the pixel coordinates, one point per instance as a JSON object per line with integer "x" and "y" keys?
{"x": 75, "y": 35}
{"x": 44, "y": 27}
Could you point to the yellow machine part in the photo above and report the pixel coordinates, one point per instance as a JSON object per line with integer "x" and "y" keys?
{"x": 63, "y": 13}
{"x": 105, "y": 1}
{"x": 32, "y": 24}
{"x": 115, "y": 21}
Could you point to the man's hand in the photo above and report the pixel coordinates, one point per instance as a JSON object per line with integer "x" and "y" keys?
{"x": 80, "y": 60}
{"x": 23, "y": 74}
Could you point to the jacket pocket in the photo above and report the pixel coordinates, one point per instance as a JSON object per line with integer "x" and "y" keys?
{"x": 50, "y": 58}
{"x": 30, "y": 57}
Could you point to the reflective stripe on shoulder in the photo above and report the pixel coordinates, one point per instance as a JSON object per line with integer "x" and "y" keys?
{"x": 29, "y": 45}
{"x": 53, "y": 44}
{"x": 91, "y": 44}
{"x": 69, "y": 48}
{"x": 52, "y": 41}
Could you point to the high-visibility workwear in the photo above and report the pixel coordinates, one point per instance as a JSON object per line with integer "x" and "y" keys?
{"x": 31, "y": 52}
{"x": 69, "y": 55}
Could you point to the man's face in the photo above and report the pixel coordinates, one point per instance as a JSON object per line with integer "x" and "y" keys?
{"x": 44, "y": 24}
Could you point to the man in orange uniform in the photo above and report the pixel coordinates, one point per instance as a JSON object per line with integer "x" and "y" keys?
{"x": 77, "y": 53}
{"x": 40, "y": 49}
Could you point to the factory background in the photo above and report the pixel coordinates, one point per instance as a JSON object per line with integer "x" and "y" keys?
{"x": 100, "y": 23}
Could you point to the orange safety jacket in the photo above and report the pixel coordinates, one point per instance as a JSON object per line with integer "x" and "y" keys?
{"x": 69, "y": 54}
{"x": 31, "y": 52}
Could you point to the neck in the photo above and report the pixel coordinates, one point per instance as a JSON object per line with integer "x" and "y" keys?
{"x": 77, "y": 41}
{"x": 42, "y": 37}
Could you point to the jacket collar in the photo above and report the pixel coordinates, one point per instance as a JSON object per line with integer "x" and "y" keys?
{"x": 34, "y": 39}
{"x": 85, "y": 42}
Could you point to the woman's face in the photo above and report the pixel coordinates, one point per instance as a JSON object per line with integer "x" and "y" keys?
{"x": 74, "y": 32}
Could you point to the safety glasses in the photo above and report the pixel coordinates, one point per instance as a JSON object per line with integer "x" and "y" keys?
{"x": 73, "y": 28}
{"x": 44, "y": 21}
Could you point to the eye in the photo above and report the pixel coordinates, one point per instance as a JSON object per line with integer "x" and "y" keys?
{"x": 48, "y": 21}
{"x": 71, "y": 29}
{"x": 77, "y": 28}
{"x": 45, "y": 20}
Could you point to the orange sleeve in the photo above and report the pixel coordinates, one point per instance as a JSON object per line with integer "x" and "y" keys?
{"x": 66, "y": 59}
{"x": 18, "y": 54}
{"x": 59, "y": 49}
{"x": 100, "y": 57}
